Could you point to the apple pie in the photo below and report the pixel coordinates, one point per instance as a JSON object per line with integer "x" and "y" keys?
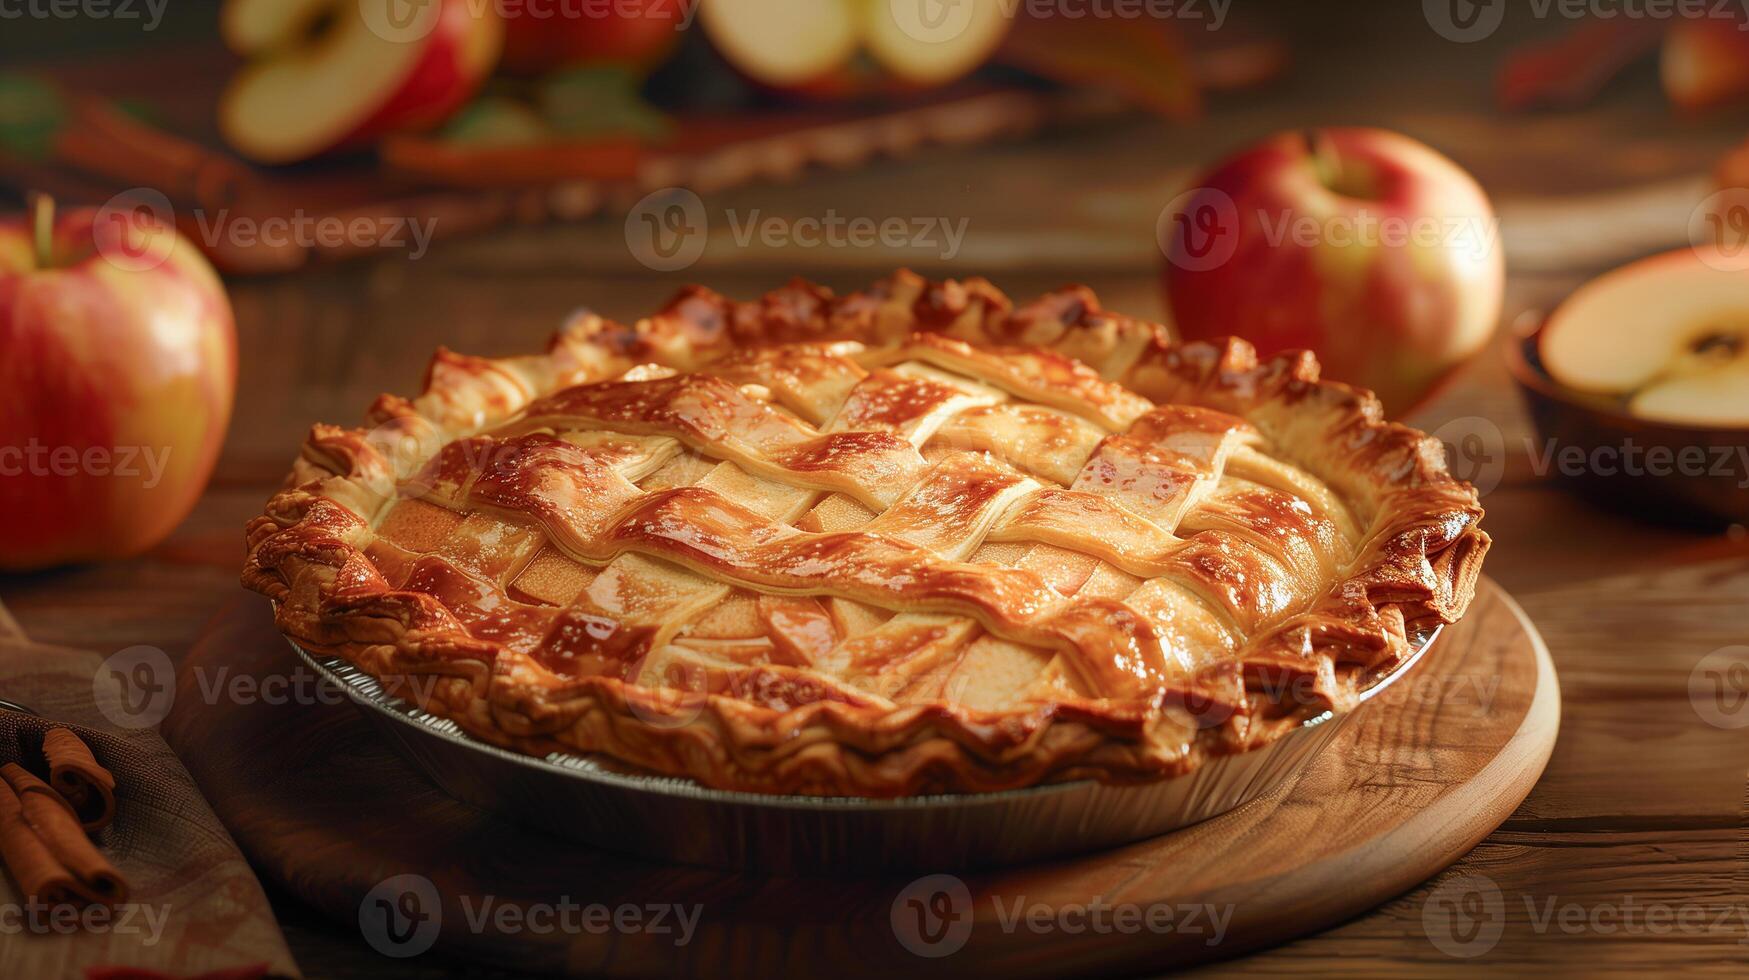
{"x": 913, "y": 539}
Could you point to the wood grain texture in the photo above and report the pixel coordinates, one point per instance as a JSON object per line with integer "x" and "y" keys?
{"x": 1426, "y": 772}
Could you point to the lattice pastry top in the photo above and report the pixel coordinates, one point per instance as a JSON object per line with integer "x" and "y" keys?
{"x": 911, "y": 539}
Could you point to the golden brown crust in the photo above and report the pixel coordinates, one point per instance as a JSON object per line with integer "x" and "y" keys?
{"x": 1317, "y": 490}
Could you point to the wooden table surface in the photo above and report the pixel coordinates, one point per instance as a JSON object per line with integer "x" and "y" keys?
{"x": 1644, "y": 804}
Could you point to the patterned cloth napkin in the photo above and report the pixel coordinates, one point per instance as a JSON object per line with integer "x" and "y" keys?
{"x": 195, "y": 906}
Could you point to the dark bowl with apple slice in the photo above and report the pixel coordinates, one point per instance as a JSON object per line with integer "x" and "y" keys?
{"x": 1639, "y": 388}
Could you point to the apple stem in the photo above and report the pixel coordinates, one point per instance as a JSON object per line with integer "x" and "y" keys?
{"x": 1323, "y": 157}
{"x": 42, "y": 219}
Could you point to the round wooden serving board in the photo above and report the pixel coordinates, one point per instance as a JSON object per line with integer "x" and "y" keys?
{"x": 321, "y": 805}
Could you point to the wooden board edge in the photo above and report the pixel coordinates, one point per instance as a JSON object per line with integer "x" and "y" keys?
{"x": 1533, "y": 741}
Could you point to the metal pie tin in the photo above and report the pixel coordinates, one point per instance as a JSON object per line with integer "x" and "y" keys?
{"x": 671, "y": 819}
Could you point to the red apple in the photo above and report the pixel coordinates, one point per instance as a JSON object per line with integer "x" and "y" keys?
{"x": 116, "y": 384}
{"x": 1365, "y": 246}
{"x": 335, "y": 74}
{"x": 540, "y": 35}
{"x": 1705, "y": 62}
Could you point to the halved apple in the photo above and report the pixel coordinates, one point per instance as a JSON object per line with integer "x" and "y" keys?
{"x": 1670, "y": 334}
{"x": 932, "y": 42}
{"x": 783, "y": 43}
{"x": 811, "y": 46}
{"x": 335, "y": 74}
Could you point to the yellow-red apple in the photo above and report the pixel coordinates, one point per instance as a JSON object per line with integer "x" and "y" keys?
{"x": 329, "y": 75}
{"x": 116, "y": 384}
{"x": 1365, "y": 246}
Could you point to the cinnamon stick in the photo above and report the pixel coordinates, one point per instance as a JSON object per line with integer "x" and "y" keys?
{"x": 103, "y": 140}
{"x": 75, "y": 773}
{"x": 39, "y": 876}
{"x": 55, "y": 824}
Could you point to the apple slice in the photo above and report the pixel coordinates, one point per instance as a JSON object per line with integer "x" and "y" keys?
{"x": 783, "y": 43}
{"x": 932, "y": 42}
{"x": 334, "y": 74}
{"x": 1669, "y": 333}
{"x": 1719, "y": 396}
